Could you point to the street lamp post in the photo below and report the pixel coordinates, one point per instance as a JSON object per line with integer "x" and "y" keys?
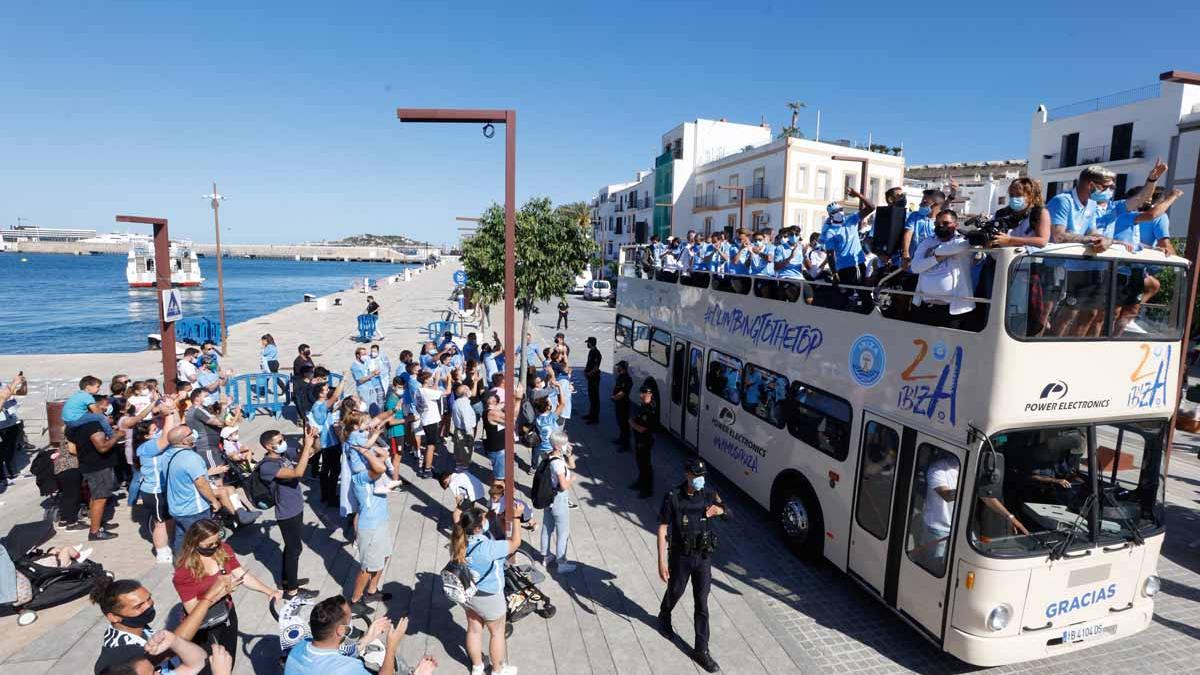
{"x": 216, "y": 198}
{"x": 162, "y": 277}
{"x": 741, "y": 193}
{"x": 1192, "y": 253}
{"x": 509, "y": 119}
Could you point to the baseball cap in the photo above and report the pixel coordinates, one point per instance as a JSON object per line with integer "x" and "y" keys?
{"x": 833, "y": 207}
{"x": 695, "y": 466}
{"x": 590, "y": 341}
{"x": 646, "y": 388}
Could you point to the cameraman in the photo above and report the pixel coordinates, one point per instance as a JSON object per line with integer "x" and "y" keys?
{"x": 943, "y": 265}
{"x": 1026, "y": 217}
{"x": 684, "y": 516}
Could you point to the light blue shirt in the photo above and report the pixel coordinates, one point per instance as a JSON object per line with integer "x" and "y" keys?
{"x": 533, "y": 355}
{"x": 373, "y": 508}
{"x": 842, "y": 241}
{"x": 763, "y": 264}
{"x": 205, "y": 379}
{"x": 739, "y": 260}
{"x": 77, "y": 406}
{"x": 358, "y": 371}
{"x": 547, "y": 423}
{"x": 1106, "y": 218}
{"x": 1067, "y": 211}
{"x": 485, "y": 557}
{"x": 1155, "y": 229}
{"x": 321, "y": 418}
{"x": 381, "y": 362}
{"x": 183, "y": 499}
{"x": 490, "y": 367}
{"x": 699, "y": 253}
{"x": 427, "y": 362}
{"x": 269, "y": 353}
{"x": 920, "y": 226}
{"x": 795, "y": 268}
{"x": 307, "y": 659}
{"x": 154, "y": 465}
{"x": 470, "y": 350}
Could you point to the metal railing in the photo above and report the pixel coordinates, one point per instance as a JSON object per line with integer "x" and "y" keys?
{"x": 704, "y": 201}
{"x": 1119, "y": 98}
{"x": 758, "y": 190}
{"x": 1093, "y": 155}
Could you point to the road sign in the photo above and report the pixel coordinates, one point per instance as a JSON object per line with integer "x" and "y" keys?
{"x": 460, "y": 277}
{"x": 172, "y": 306}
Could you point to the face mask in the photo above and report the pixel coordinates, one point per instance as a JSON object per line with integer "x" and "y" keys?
{"x": 838, "y": 218}
{"x": 1101, "y": 195}
{"x": 207, "y": 551}
{"x": 486, "y": 524}
{"x": 195, "y": 435}
{"x": 900, "y": 203}
{"x": 1016, "y": 203}
{"x": 198, "y": 362}
{"x": 698, "y": 483}
{"x": 108, "y": 410}
{"x": 942, "y": 232}
{"x": 282, "y": 447}
{"x": 141, "y": 620}
{"x": 924, "y": 211}
{"x": 362, "y": 406}
{"x": 374, "y": 355}
{"x": 362, "y": 359}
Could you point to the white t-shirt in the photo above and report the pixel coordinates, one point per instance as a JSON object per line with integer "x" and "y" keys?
{"x": 558, "y": 468}
{"x": 465, "y": 487}
{"x": 943, "y": 473}
{"x": 432, "y": 414}
{"x": 186, "y": 370}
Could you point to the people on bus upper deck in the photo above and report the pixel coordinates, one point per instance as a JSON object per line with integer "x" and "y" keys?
{"x": 840, "y": 237}
{"x": 762, "y": 255}
{"x": 1073, "y": 213}
{"x": 895, "y": 197}
{"x": 920, "y": 223}
{"x": 814, "y": 258}
{"x": 1148, "y": 226}
{"x": 1108, "y": 213}
{"x": 1026, "y": 210}
{"x": 739, "y": 256}
{"x": 943, "y": 265}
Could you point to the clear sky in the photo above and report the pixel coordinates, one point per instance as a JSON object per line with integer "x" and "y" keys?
{"x": 135, "y": 107}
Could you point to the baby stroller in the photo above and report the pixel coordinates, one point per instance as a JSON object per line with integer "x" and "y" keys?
{"x": 27, "y": 585}
{"x": 523, "y": 595}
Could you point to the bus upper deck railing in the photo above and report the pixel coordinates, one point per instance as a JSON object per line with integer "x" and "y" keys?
{"x": 1053, "y": 293}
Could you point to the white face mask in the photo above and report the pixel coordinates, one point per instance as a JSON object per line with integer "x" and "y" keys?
{"x": 362, "y": 406}
{"x": 282, "y": 448}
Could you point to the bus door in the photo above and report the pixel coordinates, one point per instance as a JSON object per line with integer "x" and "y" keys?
{"x": 687, "y": 364}
{"x": 918, "y": 538}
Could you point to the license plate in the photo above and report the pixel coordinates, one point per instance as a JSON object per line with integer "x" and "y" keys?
{"x": 1084, "y": 633}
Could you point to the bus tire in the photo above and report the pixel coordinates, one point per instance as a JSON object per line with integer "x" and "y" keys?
{"x": 797, "y": 513}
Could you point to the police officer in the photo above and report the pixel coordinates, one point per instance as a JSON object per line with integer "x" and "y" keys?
{"x": 592, "y": 372}
{"x": 685, "y": 546}
{"x": 644, "y": 423}
{"x": 621, "y": 393}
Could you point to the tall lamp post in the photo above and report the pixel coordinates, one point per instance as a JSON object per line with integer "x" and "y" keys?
{"x": 162, "y": 278}
{"x": 741, "y": 193}
{"x": 1192, "y": 253}
{"x": 215, "y": 199}
{"x": 509, "y": 119}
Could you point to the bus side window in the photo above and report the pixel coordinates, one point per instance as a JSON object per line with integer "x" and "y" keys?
{"x": 763, "y": 393}
{"x": 932, "y": 506}
{"x": 819, "y": 419}
{"x": 641, "y": 337}
{"x": 624, "y": 331}
{"x": 724, "y": 376}
{"x": 874, "y": 508}
{"x": 660, "y": 345}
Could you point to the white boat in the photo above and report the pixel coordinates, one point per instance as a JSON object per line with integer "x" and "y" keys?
{"x": 185, "y": 266}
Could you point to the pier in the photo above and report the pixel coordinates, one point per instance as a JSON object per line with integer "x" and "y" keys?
{"x": 383, "y": 254}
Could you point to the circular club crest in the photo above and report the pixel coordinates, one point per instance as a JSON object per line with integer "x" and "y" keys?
{"x": 867, "y": 360}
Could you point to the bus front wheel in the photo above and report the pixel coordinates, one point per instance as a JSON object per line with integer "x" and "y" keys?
{"x": 799, "y": 517}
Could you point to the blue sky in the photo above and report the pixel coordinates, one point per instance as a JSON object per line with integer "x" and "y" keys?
{"x": 135, "y": 107}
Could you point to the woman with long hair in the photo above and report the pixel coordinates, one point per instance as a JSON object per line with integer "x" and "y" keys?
{"x": 204, "y": 560}
{"x": 488, "y": 607}
{"x": 1027, "y": 212}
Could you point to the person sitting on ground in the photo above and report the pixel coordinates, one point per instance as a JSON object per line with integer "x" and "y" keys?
{"x": 464, "y": 487}
{"x": 325, "y": 653}
{"x": 495, "y": 512}
{"x": 130, "y": 645}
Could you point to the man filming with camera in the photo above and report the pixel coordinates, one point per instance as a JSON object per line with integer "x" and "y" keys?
{"x": 684, "y": 522}
{"x": 943, "y": 266}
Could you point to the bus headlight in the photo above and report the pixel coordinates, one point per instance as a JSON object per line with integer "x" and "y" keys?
{"x": 999, "y": 617}
{"x": 1151, "y": 585}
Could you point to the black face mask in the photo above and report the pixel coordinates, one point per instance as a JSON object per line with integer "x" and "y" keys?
{"x": 207, "y": 551}
{"x": 141, "y": 620}
{"x": 900, "y": 203}
{"x": 943, "y": 232}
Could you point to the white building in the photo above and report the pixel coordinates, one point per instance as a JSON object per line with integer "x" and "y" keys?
{"x": 982, "y": 186}
{"x": 612, "y": 219}
{"x": 1125, "y": 132}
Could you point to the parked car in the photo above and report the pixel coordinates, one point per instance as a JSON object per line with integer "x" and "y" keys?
{"x": 596, "y": 289}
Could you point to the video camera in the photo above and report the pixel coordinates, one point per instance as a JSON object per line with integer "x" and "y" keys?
{"x": 984, "y": 230}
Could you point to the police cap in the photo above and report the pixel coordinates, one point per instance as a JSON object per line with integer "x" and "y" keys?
{"x": 695, "y": 466}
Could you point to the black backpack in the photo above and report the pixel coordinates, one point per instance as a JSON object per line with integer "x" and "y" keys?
{"x": 42, "y": 468}
{"x": 543, "y": 491}
{"x": 258, "y": 490}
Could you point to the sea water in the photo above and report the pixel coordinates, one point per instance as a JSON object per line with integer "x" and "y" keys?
{"x": 62, "y": 304}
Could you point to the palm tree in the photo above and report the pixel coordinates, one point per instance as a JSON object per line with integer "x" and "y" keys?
{"x": 792, "y": 129}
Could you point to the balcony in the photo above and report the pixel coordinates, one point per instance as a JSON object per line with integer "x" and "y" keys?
{"x": 620, "y": 207}
{"x": 708, "y": 201}
{"x": 758, "y": 190}
{"x": 1097, "y": 154}
{"x": 1104, "y": 102}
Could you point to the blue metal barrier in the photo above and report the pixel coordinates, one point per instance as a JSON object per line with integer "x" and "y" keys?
{"x": 435, "y": 329}
{"x": 366, "y": 326}
{"x": 198, "y": 330}
{"x": 260, "y": 391}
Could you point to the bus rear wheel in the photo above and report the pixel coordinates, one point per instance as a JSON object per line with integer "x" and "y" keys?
{"x": 799, "y": 517}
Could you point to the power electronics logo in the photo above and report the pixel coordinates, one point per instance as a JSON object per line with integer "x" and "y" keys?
{"x": 1054, "y": 391}
{"x": 1051, "y": 399}
{"x": 726, "y": 416}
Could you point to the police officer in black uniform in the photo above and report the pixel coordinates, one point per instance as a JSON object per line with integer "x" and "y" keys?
{"x": 644, "y": 424}
{"x": 592, "y": 372}
{"x": 686, "y": 543}
{"x": 621, "y": 393}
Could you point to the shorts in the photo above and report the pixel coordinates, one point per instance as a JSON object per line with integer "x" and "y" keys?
{"x": 100, "y": 483}
{"x": 431, "y": 433}
{"x": 1085, "y": 289}
{"x": 1130, "y": 287}
{"x": 497, "y": 460}
{"x": 156, "y": 503}
{"x": 490, "y": 606}
{"x": 374, "y": 547}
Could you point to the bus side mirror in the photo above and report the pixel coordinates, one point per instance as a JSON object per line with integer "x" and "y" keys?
{"x": 991, "y": 476}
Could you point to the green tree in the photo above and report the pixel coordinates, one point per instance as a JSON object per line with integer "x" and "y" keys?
{"x": 793, "y": 129}
{"x": 553, "y": 245}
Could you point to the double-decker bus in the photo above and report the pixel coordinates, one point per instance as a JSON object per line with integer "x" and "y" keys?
{"x": 1000, "y": 485}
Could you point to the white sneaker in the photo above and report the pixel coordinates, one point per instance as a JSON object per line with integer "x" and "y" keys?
{"x": 506, "y": 669}
{"x": 477, "y": 670}
{"x": 548, "y": 560}
{"x": 566, "y": 567}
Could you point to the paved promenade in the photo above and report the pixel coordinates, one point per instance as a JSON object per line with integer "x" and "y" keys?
{"x": 770, "y": 613}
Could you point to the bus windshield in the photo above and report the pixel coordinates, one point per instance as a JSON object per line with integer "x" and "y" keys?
{"x": 1061, "y": 298}
{"x": 1036, "y": 494}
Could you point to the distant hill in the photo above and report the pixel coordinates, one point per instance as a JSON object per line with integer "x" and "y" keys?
{"x": 377, "y": 240}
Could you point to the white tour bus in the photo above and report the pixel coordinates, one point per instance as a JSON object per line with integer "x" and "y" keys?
{"x": 998, "y": 486}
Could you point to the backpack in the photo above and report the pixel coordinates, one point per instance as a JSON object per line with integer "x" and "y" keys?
{"x": 543, "y": 492}
{"x": 258, "y": 490}
{"x": 458, "y": 581}
{"x": 42, "y": 468}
